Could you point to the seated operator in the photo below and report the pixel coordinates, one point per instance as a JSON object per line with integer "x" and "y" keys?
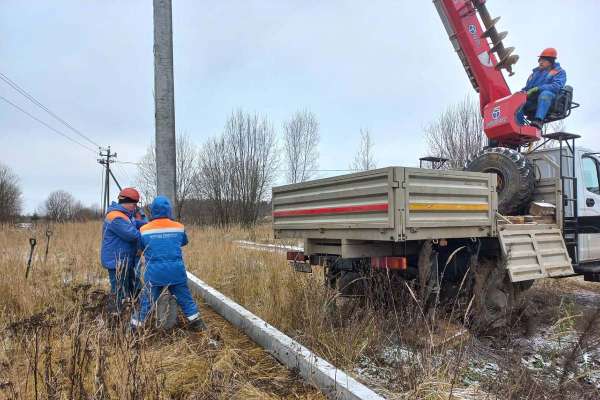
{"x": 543, "y": 85}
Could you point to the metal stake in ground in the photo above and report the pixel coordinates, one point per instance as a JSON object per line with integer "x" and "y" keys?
{"x": 48, "y": 234}
{"x": 32, "y": 243}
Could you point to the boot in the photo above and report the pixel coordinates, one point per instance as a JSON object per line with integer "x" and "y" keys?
{"x": 537, "y": 123}
{"x": 197, "y": 325}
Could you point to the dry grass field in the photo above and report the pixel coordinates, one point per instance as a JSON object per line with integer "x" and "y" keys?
{"x": 57, "y": 343}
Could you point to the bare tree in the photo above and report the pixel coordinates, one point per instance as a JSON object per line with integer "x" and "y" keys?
{"x": 364, "y": 159}
{"x": 10, "y": 195}
{"x": 186, "y": 170}
{"x": 214, "y": 183}
{"x": 86, "y": 213}
{"x": 301, "y": 139}
{"x": 457, "y": 133}
{"x": 237, "y": 168}
{"x": 146, "y": 175}
{"x": 61, "y": 206}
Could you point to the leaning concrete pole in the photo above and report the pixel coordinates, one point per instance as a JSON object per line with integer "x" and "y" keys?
{"x": 164, "y": 113}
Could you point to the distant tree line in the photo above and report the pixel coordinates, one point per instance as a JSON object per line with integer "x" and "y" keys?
{"x": 228, "y": 179}
{"x": 61, "y": 206}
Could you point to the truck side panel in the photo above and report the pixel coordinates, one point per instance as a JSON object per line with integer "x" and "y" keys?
{"x": 391, "y": 204}
{"x": 448, "y": 204}
{"x": 362, "y": 203}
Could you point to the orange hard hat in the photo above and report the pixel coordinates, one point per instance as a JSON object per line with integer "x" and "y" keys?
{"x": 129, "y": 193}
{"x": 549, "y": 52}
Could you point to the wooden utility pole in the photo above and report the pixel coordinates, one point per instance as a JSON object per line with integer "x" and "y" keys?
{"x": 164, "y": 99}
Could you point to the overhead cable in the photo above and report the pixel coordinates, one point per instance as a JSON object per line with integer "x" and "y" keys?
{"x": 23, "y": 92}
{"x": 48, "y": 126}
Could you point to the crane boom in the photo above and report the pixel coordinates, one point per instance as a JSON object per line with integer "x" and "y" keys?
{"x": 479, "y": 46}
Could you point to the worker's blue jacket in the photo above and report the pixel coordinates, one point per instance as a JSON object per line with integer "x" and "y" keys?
{"x": 119, "y": 238}
{"x": 551, "y": 80}
{"x": 161, "y": 242}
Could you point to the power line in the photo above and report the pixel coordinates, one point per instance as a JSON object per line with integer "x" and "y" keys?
{"x": 123, "y": 171}
{"x": 23, "y": 92}
{"x": 128, "y": 162}
{"x": 48, "y": 126}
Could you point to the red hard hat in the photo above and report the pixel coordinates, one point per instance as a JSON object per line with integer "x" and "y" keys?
{"x": 549, "y": 52}
{"x": 129, "y": 193}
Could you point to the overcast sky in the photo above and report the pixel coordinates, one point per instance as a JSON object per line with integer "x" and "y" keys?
{"x": 383, "y": 65}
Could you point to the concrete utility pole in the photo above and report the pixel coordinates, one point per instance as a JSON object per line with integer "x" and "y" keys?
{"x": 164, "y": 99}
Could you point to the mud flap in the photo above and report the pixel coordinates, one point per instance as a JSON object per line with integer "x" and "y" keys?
{"x": 534, "y": 251}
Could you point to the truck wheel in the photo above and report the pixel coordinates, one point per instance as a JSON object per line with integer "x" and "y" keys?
{"x": 516, "y": 178}
{"x": 494, "y": 296}
{"x": 351, "y": 284}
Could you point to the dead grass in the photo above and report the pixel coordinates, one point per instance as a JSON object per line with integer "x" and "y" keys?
{"x": 57, "y": 343}
{"x": 55, "y": 332}
{"x": 357, "y": 336}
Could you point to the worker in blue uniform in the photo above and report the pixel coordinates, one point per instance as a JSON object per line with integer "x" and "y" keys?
{"x": 120, "y": 237}
{"x": 542, "y": 87}
{"x": 161, "y": 242}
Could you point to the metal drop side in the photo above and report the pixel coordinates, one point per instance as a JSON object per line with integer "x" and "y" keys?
{"x": 389, "y": 204}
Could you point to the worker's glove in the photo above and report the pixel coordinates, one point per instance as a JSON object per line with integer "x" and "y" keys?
{"x": 530, "y": 92}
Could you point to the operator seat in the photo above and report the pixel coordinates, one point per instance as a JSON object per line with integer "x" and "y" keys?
{"x": 562, "y": 105}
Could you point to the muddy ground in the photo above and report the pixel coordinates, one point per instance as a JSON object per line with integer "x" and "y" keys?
{"x": 550, "y": 350}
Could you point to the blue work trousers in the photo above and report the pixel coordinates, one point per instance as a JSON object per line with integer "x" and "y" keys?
{"x": 536, "y": 106}
{"x": 150, "y": 294}
{"x": 122, "y": 283}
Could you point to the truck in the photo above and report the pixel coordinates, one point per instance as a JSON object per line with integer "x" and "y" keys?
{"x": 526, "y": 209}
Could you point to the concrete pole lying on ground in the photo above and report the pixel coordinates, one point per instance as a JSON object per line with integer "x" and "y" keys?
{"x": 335, "y": 383}
{"x": 164, "y": 99}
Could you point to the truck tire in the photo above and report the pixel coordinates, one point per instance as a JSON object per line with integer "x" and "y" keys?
{"x": 516, "y": 178}
{"x": 351, "y": 284}
{"x": 493, "y": 293}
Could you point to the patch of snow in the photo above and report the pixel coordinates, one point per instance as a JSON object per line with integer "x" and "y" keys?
{"x": 547, "y": 356}
{"x": 395, "y": 355}
{"x": 478, "y": 371}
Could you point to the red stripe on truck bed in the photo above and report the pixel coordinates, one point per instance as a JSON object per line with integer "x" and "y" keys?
{"x": 333, "y": 210}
